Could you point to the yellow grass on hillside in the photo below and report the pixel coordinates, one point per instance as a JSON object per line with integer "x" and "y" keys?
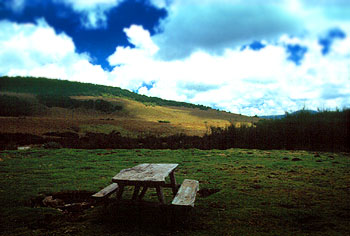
{"x": 186, "y": 120}
{"x": 134, "y": 119}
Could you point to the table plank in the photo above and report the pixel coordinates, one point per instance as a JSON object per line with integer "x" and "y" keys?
{"x": 143, "y": 173}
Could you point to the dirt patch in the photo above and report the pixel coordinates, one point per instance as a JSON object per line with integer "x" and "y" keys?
{"x": 66, "y": 201}
{"x": 206, "y": 192}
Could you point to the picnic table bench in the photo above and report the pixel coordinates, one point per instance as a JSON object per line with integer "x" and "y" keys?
{"x": 147, "y": 176}
{"x": 187, "y": 193}
{"x": 106, "y": 191}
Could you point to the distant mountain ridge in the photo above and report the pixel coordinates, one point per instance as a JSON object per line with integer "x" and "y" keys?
{"x": 276, "y": 117}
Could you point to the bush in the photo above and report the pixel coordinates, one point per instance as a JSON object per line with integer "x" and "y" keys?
{"x": 164, "y": 121}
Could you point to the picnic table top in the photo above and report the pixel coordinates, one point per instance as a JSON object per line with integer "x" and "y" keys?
{"x": 145, "y": 173}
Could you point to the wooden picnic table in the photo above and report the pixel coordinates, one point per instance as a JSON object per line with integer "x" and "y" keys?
{"x": 146, "y": 176}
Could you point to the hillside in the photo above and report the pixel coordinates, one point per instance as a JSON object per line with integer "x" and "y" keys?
{"x": 40, "y": 106}
{"x": 55, "y": 87}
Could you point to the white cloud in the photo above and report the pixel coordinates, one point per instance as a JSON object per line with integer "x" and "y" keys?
{"x": 214, "y": 26}
{"x": 332, "y": 9}
{"x": 37, "y": 50}
{"x": 160, "y": 3}
{"x": 144, "y": 47}
{"x": 241, "y": 81}
{"x": 90, "y": 4}
{"x": 93, "y": 11}
{"x": 208, "y": 65}
{"x": 140, "y": 38}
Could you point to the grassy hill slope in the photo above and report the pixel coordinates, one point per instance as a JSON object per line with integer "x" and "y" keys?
{"x": 55, "y": 87}
{"x": 62, "y": 106}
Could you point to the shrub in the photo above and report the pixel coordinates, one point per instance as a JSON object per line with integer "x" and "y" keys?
{"x": 164, "y": 121}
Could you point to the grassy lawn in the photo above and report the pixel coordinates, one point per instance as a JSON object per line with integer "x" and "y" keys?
{"x": 243, "y": 192}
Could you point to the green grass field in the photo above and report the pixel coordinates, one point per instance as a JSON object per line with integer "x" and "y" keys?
{"x": 258, "y": 192}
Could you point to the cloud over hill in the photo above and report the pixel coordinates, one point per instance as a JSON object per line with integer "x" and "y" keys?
{"x": 241, "y": 56}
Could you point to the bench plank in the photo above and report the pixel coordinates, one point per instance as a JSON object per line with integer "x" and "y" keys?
{"x": 187, "y": 193}
{"x": 106, "y": 191}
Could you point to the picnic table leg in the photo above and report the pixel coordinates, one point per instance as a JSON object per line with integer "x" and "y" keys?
{"x": 160, "y": 194}
{"x": 173, "y": 182}
{"x": 136, "y": 192}
{"x": 143, "y": 192}
{"x": 120, "y": 192}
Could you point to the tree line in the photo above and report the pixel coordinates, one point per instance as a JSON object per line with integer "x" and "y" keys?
{"x": 16, "y": 106}
{"x": 67, "y": 102}
{"x": 323, "y": 131}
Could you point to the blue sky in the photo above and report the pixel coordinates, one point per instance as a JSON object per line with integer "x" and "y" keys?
{"x": 244, "y": 56}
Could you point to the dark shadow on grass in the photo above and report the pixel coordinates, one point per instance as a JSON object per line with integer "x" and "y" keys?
{"x": 109, "y": 216}
{"x": 206, "y": 192}
{"x": 145, "y": 217}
